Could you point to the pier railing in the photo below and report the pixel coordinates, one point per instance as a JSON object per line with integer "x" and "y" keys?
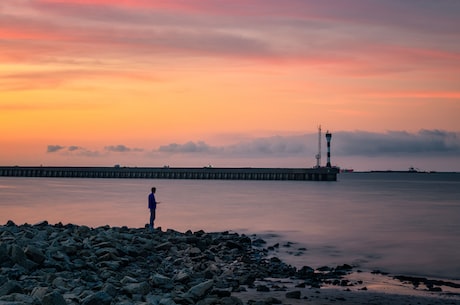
{"x": 311, "y": 174}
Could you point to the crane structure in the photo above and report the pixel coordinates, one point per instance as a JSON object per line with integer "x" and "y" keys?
{"x": 318, "y": 155}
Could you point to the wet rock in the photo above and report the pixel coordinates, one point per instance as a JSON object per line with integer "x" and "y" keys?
{"x": 262, "y": 288}
{"x": 230, "y": 301}
{"x": 293, "y": 294}
{"x": 305, "y": 272}
{"x": 272, "y": 300}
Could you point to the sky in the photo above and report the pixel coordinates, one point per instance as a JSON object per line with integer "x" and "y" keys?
{"x": 230, "y": 83}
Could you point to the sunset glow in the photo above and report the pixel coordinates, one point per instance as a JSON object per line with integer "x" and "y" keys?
{"x": 79, "y": 78}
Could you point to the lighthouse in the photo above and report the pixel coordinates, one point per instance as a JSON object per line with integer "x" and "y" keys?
{"x": 328, "y": 139}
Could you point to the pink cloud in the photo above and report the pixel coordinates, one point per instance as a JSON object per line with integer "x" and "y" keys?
{"x": 294, "y": 32}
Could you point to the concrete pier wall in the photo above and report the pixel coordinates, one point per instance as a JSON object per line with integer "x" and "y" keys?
{"x": 309, "y": 174}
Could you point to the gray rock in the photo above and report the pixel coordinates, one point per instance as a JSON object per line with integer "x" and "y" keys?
{"x": 19, "y": 299}
{"x": 110, "y": 290}
{"x": 293, "y": 294}
{"x": 137, "y": 288}
{"x": 34, "y": 254}
{"x": 167, "y": 301}
{"x": 164, "y": 246}
{"x": 262, "y": 288}
{"x": 53, "y": 298}
{"x": 59, "y": 282}
{"x": 183, "y": 276}
{"x": 17, "y": 255}
{"x": 4, "y": 257}
{"x": 98, "y": 298}
{"x": 10, "y": 287}
{"x": 128, "y": 280}
{"x": 199, "y": 291}
{"x": 159, "y": 280}
{"x": 231, "y": 301}
{"x": 40, "y": 292}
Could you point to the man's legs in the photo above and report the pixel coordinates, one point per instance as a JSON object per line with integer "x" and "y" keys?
{"x": 152, "y": 218}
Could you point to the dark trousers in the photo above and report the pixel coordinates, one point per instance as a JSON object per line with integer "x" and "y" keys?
{"x": 152, "y": 218}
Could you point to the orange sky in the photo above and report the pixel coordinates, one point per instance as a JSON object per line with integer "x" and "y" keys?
{"x": 80, "y": 77}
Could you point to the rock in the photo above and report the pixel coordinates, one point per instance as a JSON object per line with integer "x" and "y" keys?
{"x": 40, "y": 292}
{"x": 10, "y": 287}
{"x": 19, "y": 299}
{"x": 137, "y": 288}
{"x": 59, "y": 282}
{"x": 220, "y": 293}
{"x": 272, "y": 300}
{"x": 305, "y": 272}
{"x": 183, "y": 276}
{"x": 34, "y": 254}
{"x": 10, "y": 223}
{"x": 159, "y": 280}
{"x": 17, "y": 255}
{"x": 262, "y": 288}
{"x": 98, "y": 298}
{"x": 129, "y": 279}
{"x": 110, "y": 290}
{"x": 4, "y": 257}
{"x": 53, "y": 298}
{"x": 167, "y": 301}
{"x": 164, "y": 246}
{"x": 293, "y": 294}
{"x": 197, "y": 292}
{"x": 231, "y": 301}
{"x": 194, "y": 251}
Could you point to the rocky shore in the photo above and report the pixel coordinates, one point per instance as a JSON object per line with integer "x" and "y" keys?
{"x": 45, "y": 264}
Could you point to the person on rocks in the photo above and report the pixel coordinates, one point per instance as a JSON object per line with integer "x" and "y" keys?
{"x": 152, "y": 206}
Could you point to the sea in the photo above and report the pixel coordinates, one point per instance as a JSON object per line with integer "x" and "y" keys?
{"x": 400, "y": 223}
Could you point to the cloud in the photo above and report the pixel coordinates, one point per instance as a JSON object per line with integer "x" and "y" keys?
{"x": 277, "y": 145}
{"x": 298, "y": 30}
{"x": 122, "y": 148}
{"x": 73, "y": 150}
{"x": 424, "y": 142}
{"x": 344, "y": 143}
{"x": 54, "y": 148}
{"x": 189, "y": 147}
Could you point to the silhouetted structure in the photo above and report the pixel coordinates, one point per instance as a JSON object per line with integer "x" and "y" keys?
{"x": 311, "y": 174}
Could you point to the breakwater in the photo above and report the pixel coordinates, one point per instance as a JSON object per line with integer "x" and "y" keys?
{"x": 249, "y": 173}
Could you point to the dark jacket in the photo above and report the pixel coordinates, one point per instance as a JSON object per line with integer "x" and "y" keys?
{"x": 152, "y": 201}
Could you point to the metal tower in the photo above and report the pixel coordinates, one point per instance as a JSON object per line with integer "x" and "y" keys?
{"x": 318, "y": 156}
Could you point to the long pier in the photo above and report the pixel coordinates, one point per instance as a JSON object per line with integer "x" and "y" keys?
{"x": 249, "y": 173}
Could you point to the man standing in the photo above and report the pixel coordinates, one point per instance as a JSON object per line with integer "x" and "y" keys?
{"x": 152, "y": 207}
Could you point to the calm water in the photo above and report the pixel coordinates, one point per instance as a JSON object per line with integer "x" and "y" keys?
{"x": 400, "y": 223}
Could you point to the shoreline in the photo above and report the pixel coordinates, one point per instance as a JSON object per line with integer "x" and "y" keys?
{"x": 72, "y": 264}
